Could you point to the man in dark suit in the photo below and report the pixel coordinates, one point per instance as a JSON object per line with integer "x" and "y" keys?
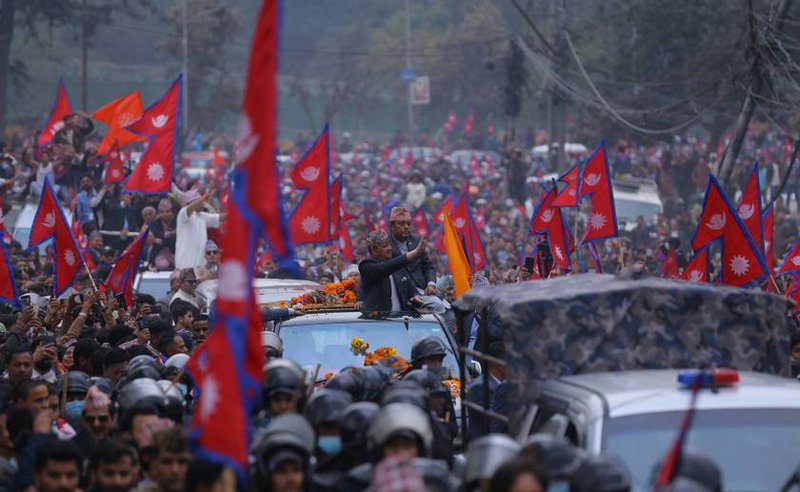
{"x": 385, "y": 284}
{"x": 420, "y": 271}
{"x": 480, "y": 424}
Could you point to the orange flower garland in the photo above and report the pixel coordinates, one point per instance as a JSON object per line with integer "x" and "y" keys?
{"x": 334, "y": 293}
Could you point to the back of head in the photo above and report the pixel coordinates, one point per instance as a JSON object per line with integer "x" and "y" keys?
{"x": 58, "y": 450}
{"x": 601, "y": 473}
{"x": 401, "y": 418}
{"x": 327, "y": 405}
{"x": 355, "y": 421}
{"x": 487, "y": 454}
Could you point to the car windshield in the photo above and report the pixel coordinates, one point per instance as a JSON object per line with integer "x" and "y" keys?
{"x": 756, "y": 449}
{"x": 630, "y": 209}
{"x": 329, "y": 343}
{"x": 156, "y": 287}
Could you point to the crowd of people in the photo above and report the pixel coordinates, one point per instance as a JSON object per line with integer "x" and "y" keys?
{"x": 90, "y": 380}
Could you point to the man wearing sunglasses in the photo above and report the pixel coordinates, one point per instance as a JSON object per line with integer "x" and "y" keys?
{"x": 187, "y": 285}
{"x": 209, "y": 269}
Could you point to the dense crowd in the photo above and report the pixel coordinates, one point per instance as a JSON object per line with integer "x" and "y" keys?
{"x": 90, "y": 380}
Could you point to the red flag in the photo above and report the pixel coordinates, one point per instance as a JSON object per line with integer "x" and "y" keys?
{"x": 255, "y": 149}
{"x": 444, "y": 208}
{"x": 568, "y": 197}
{"x": 115, "y": 173}
{"x": 768, "y": 223}
{"x": 8, "y": 288}
{"x": 596, "y": 184}
{"x": 791, "y": 261}
{"x": 560, "y": 240}
{"x": 477, "y": 252}
{"x": 120, "y": 279}
{"x": 118, "y": 114}
{"x": 699, "y": 268}
{"x": 543, "y": 213}
{"x": 55, "y": 121}
{"x": 45, "y": 219}
{"x": 474, "y": 166}
{"x": 669, "y": 269}
{"x": 218, "y": 160}
{"x": 749, "y": 208}
{"x": 713, "y": 219}
{"x": 345, "y": 243}
{"x": 421, "y": 223}
{"x": 68, "y": 260}
{"x": 159, "y": 122}
{"x": 310, "y": 221}
{"x": 793, "y": 292}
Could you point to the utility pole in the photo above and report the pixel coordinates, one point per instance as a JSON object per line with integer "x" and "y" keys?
{"x": 185, "y": 69}
{"x": 410, "y": 83}
{"x": 84, "y": 56}
{"x": 725, "y": 171}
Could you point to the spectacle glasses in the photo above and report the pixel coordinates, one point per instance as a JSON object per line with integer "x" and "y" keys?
{"x": 97, "y": 418}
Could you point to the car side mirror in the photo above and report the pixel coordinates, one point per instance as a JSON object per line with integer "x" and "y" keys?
{"x": 474, "y": 368}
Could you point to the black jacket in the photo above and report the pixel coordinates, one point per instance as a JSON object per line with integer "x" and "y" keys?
{"x": 376, "y": 289}
{"x": 421, "y": 270}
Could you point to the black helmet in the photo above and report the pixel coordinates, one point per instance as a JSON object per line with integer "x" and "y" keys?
{"x": 103, "y": 384}
{"x": 427, "y": 347}
{"x": 77, "y": 383}
{"x": 287, "y": 433}
{"x": 282, "y": 375}
{"x": 435, "y": 475}
{"x": 401, "y": 418}
{"x": 428, "y": 380}
{"x": 601, "y": 473}
{"x": 410, "y": 393}
{"x": 559, "y": 458}
{"x": 698, "y": 469}
{"x": 142, "y": 371}
{"x": 347, "y": 381}
{"x": 355, "y": 422}
{"x": 142, "y": 360}
{"x": 327, "y": 405}
{"x": 373, "y": 380}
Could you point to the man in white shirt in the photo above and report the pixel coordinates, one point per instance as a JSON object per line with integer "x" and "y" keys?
{"x": 191, "y": 229}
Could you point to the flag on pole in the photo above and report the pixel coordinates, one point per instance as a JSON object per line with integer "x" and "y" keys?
{"x": 749, "y": 208}
{"x": 568, "y": 197}
{"x": 669, "y": 269}
{"x": 336, "y": 207}
{"x": 8, "y": 288}
{"x": 560, "y": 240}
{"x": 310, "y": 221}
{"x": 119, "y": 114}
{"x": 345, "y": 243}
{"x": 768, "y": 224}
{"x": 456, "y": 258}
{"x": 699, "y": 268}
{"x": 791, "y": 260}
{"x": 55, "y": 121}
{"x": 543, "y": 213}
{"x": 596, "y": 184}
{"x": 115, "y": 173}
{"x": 444, "y": 208}
{"x": 120, "y": 278}
{"x": 159, "y": 122}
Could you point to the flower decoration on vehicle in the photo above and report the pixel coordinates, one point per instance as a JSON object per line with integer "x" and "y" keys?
{"x": 454, "y": 385}
{"x": 387, "y": 356}
{"x": 336, "y": 294}
{"x": 358, "y": 346}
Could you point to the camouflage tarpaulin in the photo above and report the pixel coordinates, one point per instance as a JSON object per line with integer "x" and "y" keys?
{"x": 590, "y": 323}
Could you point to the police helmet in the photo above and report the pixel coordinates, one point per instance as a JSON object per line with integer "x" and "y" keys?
{"x": 271, "y": 341}
{"x": 373, "y": 379}
{"x": 601, "y": 473}
{"x": 142, "y": 371}
{"x": 347, "y": 381}
{"x": 427, "y": 347}
{"x": 558, "y": 457}
{"x": 411, "y": 394}
{"x": 435, "y": 475}
{"x": 178, "y": 361}
{"x": 699, "y": 469}
{"x": 142, "y": 391}
{"x": 327, "y": 405}
{"x": 103, "y": 384}
{"x": 487, "y": 454}
{"x": 428, "y": 380}
{"x": 355, "y": 422}
{"x": 282, "y": 376}
{"x": 175, "y": 402}
{"x": 78, "y": 383}
{"x": 140, "y": 360}
{"x": 399, "y": 419}
{"x": 287, "y": 432}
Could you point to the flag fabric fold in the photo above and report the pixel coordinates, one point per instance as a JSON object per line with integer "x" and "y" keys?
{"x": 115, "y": 172}
{"x": 699, "y": 268}
{"x": 310, "y": 221}
{"x": 123, "y": 272}
{"x": 749, "y": 208}
{"x": 9, "y": 293}
{"x": 596, "y": 184}
{"x": 118, "y": 114}
{"x": 568, "y": 197}
{"x": 669, "y": 269}
{"x": 55, "y": 121}
{"x": 456, "y": 257}
{"x": 791, "y": 260}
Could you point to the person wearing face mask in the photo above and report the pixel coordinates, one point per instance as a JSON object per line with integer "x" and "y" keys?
{"x": 78, "y": 384}
{"x": 324, "y": 411}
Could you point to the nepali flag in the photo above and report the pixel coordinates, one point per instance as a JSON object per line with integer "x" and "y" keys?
{"x": 596, "y": 184}
{"x": 55, "y": 121}
{"x": 791, "y": 261}
{"x": 669, "y": 269}
{"x": 47, "y": 215}
{"x": 749, "y": 208}
{"x": 768, "y": 224}
{"x": 477, "y": 251}
{"x": 568, "y": 197}
{"x": 560, "y": 240}
{"x": 118, "y": 115}
{"x": 120, "y": 279}
{"x": 742, "y": 261}
{"x": 543, "y": 213}
{"x": 793, "y": 292}
{"x": 159, "y": 122}
{"x": 227, "y": 367}
{"x": 444, "y": 209}
{"x": 345, "y": 243}
{"x": 8, "y": 288}
{"x": 420, "y": 223}
{"x": 255, "y": 147}
{"x": 469, "y": 123}
{"x": 310, "y": 221}
{"x": 699, "y": 268}
{"x": 115, "y": 173}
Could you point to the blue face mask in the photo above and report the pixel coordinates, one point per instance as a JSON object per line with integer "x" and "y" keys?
{"x": 330, "y": 445}
{"x": 73, "y": 410}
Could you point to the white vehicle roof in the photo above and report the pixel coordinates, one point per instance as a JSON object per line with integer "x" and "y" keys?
{"x": 268, "y": 290}
{"x": 651, "y": 391}
{"x": 570, "y": 147}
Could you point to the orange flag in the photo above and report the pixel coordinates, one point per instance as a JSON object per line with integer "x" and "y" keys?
{"x": 117, "y": 115}
{"x": 456, "y": 258}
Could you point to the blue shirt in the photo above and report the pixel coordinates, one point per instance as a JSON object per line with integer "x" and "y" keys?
{"x": 83, "y": 206}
